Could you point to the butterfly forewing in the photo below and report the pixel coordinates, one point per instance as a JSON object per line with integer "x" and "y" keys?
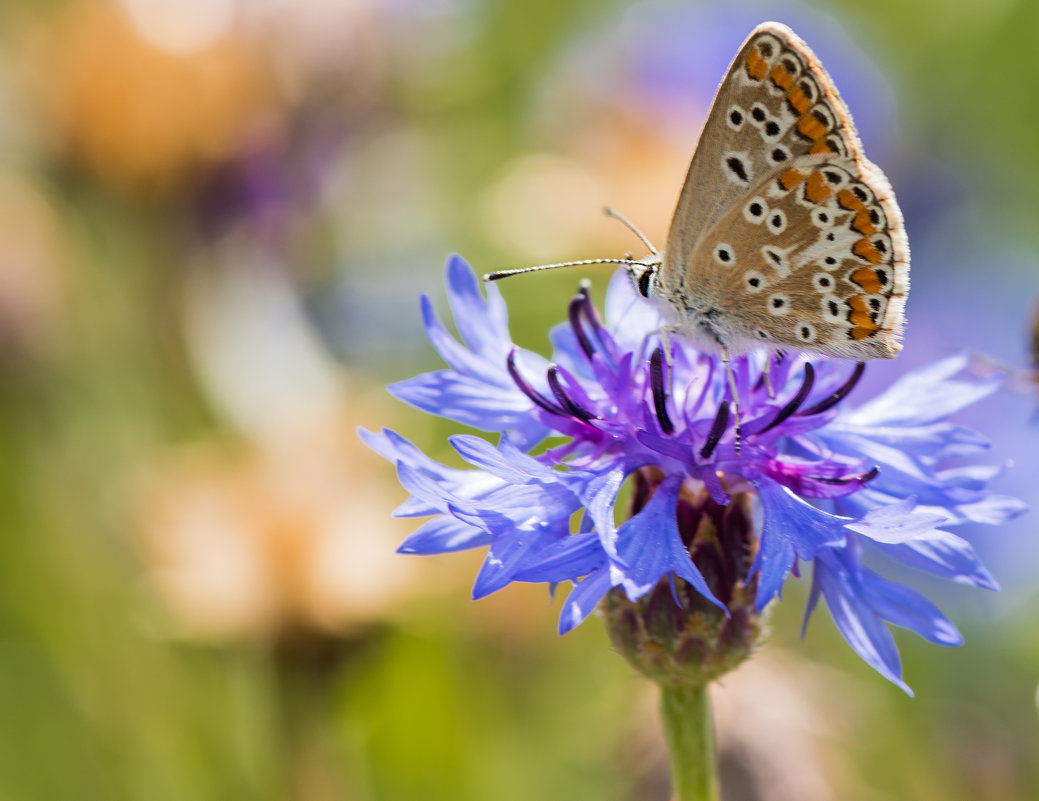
{"x": 761, "y": 218}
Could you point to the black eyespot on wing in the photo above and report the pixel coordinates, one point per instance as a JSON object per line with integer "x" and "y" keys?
{"x": 776, "y": 221}
{"x": 860, "y": 193}
{"x": 724, "y": 255}
{"x": 758, "y": 113}
{"x": 735, "y": 117}
{"x": 874, "y": 304}
{"x": 756, "y": 209}
{"x": 774, "y": 255}
{"x": 777, "y": 303}
{"x": 805, "y": 332}
{"x": 738, "y": 169}
{"x": 881, "y": 276}
{"x": 874, "y": 216}
{"x": 824, "y": 281}
{"x": 754, "y": 282}
{"x": 830, "y": 237}
{"x": 834, "y": 308}
{"x": 778, "y": 155}
{"x": 832, "y": 177}
{"x": 772, "y": 128}
{"x": 830, "y": 260}
{"x": 644, "y": 281}
{"x": 823, "y": 217}
{"x": 880, "y": 245}
{"x": 765, "y": 48}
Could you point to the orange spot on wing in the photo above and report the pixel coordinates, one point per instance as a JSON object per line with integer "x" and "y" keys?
{"x": 867, "y": 250}
{"x": 863, "y": 224}
{"x": 849, "y": 200}
{"x": 780, "y": 77}
{"x": 791, "y": 178}
{"x": 798, "y": 100}
{"x": 862, "y": 333}
{"x": 816, "y": 188}
{"x": 867, "y": 279}
{"x": 862, "y": 320}
{"x": 820, "y": 147}
{"x": 757, "y": 67}
{"x": 857, "y": 303}
{"x": 810, "y": 127}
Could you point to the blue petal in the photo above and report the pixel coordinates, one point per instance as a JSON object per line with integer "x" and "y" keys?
{"x": 583, "y": 599}
{"x": 943, "y": 554}
{"x": 470, "y": 401}
{"x": 567, "y": 559}
{"x": 650, "y": 546}
{"x": 907, "y": 608}
{"x": 924, "y": 396}
{"x": 443, "y": 534}
{"x": 482, "y": 324}
{"x": 509, "y": 555}
{"x": 863, "y": 630}
{"x": 791, "y": 529}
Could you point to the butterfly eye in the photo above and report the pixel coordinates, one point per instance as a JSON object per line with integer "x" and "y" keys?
{"x": 644, "y": 282}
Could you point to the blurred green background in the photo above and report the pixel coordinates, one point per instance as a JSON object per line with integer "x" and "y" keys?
{"x": 215, "y": 219}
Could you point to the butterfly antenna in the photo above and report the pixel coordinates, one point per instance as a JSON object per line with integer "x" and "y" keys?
{"x": 495, "y": 276}
{"x": 611, "y": 212}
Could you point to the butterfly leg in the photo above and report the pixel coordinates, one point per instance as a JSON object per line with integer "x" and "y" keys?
{"x": 735, "y": 394}
{"x": 768, "y": 378}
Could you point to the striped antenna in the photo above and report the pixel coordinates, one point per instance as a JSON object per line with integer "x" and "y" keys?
{"x": 654, "y": 259}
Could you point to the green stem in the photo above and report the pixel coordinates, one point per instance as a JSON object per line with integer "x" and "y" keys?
{"x": 686, "y": 712}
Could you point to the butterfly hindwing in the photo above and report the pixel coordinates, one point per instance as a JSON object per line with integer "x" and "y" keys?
{"x": 816, "y": 258}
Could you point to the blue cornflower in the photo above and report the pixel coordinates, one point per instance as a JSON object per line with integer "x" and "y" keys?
{"x": 830, "y": 482}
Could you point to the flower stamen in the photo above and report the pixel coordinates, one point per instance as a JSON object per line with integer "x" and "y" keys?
{"x": 839, "y": 394}
{"x": 796, "y": 401}
{"x": 568, "y": 403}
{"x": 528, "y": 390}
{"x": 656, "y": 380}
{"x": 721, "y": 421}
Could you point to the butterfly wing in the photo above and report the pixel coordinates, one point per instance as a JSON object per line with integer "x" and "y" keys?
{"x": 814, "y": 257}
{"x": 776, "y": 103}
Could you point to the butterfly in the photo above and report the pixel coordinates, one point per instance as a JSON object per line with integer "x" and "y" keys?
{"x": 785, "y": 235}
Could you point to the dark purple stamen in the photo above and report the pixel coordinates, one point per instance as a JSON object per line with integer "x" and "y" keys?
{"x": 656, "y": 380}
{"x": 528, "y": 390}
{"x": 568, "y": 403}
{"x": 839, "y": 394}
{"x": 721, "y": 420}
{"x": 574, "y": 313}
{"x": 796, "y": 401}
{"x": 863, "y": 478}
